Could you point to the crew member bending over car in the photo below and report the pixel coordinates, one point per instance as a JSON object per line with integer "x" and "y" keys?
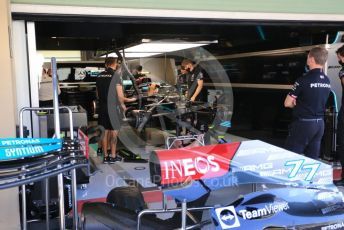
{"x": 194, "y": 81}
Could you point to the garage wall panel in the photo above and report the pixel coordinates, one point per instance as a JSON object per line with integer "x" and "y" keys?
{"x": 9, "y": 211}
{"x": 7, "y": 86}
{"x": 268, "y": 6}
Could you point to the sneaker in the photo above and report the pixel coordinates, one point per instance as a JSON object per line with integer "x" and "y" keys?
{"x": 118, "y": 158}
{"x": 114, "y": 159}
{"x": 99, "y": 151}
{"x": 106, "y": 160}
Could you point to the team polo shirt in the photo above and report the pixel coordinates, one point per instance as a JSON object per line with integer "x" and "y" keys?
{"x": 192, "y": 79}
{"x": 311, "y": 92}
{"x": 105, "y": 80}
{"x": 341, "y": 75}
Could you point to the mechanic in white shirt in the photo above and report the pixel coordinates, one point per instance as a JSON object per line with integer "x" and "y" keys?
{"x": 46, "y": 87}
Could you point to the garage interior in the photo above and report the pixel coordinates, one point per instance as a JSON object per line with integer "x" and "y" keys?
{"x": 246, "y": 50}
{"x": 258, "y": 113}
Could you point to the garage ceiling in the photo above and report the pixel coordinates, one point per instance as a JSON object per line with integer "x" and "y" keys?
{"x": 233, "y": 36}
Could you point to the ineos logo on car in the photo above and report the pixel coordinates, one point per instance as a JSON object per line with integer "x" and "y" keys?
{"x": 189, "y": 167}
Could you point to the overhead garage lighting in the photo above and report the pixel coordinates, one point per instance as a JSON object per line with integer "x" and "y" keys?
{"x": 145, "y": 40}
{"x": 132, "y": 55}
{"x": 147, "y": 48}
{"x": 162, "y": 47}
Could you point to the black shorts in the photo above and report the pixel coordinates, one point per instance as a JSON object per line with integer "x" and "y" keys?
{"x": 110, "y": 119}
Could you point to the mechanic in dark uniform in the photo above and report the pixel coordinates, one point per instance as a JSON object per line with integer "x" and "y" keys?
{"x": 195, "y": 93}
{"x": 111, "y": 104}
{"x": 181, "y": 78}
{"x": 137, "y": 72}
{"x": 194, "y": 81}
{"x": 308, "y": 99}
{"x": 340, "y": 119}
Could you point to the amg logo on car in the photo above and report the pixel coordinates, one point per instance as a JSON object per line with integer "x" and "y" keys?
{"x": 255, "y": 151}
{"x": 333, "y": 226}
{"x": 262, "y": 166}
{"x": 267, "y": 210}
{"x": 276, "y": 172}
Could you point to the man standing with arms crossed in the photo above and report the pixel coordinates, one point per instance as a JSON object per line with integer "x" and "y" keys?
{"x": 308, "y": 99}
{"x": 111, "y": 104}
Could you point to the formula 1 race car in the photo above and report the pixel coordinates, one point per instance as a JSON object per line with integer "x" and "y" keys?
{"x": 246, "y": 185}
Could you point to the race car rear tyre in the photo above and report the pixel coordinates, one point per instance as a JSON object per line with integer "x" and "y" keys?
{"x": 129, "y": 198}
